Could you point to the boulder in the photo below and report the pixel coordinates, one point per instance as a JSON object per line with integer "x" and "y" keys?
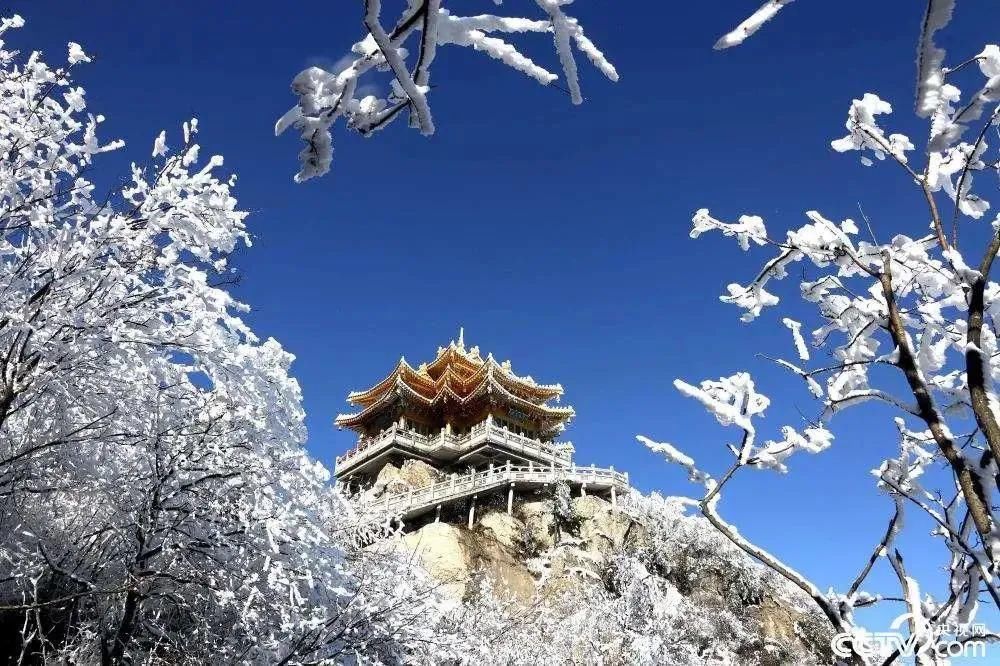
{"x": 412, "y": 474}
{"x": 454, "y": 556}
{"x": 418, "y": 474}
{"x": 388, "y": 480}
{"x": 603, "y": 530}
{"x": 506, "y": 530}
{"x": 570, "y": 566}
{"x": 442, "y": 551}
{"x": 538, "y": 525}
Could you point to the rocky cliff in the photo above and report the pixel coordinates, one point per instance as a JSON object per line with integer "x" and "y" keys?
{"x": 581, "y": 581}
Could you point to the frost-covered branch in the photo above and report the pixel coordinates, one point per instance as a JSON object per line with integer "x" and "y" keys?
{"x": 328, "y": 96}
{"x": 735, "y": 401}
{"x": 917, "y": 305}
{"x": 156, "y": 501}
{"x": 751, "y": 24}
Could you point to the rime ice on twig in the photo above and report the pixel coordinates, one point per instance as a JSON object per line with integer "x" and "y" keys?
{"x": 751, "y": 24}
{"x": 325, "y": 97}
{"x": 930, "y": 57}
{"x": 153, "y": 442}
{"x": 919, "y": 308}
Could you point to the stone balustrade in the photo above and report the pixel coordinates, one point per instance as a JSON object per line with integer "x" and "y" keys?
{"x": 415, "y": 501}
{"x": 447, "y": 445}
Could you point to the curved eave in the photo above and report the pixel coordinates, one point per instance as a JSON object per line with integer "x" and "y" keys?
{"x": 558, "y": 414}
{"x": 447, "y": 394}
{"x": 452, "y": 354}
{"x": 461, "y": 378}
{"x": 488, "y": 384}
{"x": 354, "y": 420}
{"x": 542, "y": 392}
{"x": 375, "y": 393}
{"x": 547, "y": 391}
{"x": 465, "y": 380}
{"x": 538, "y": 393}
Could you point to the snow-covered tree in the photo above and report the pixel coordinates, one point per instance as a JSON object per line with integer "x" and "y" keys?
{"x": 156, "y": 503}
{"x": 678, "y": 594}
{"x": 909, "y": 322}
{"x": 563, "y": 514}
{"x": 328, "y": 96}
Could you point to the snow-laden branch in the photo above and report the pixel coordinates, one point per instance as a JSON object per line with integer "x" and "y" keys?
{"x": 155, "y": 494}
{"x": 676, "y": 457}
{"x": 328, "y": 96}
{"x": 865, "y": 134}
{"x": 918, "y": 307}
{"x": 734, "y": 401}
{"x": 930, "y": 57}
{"x": 800, "y": 344}
{"x": 751, "y": 24}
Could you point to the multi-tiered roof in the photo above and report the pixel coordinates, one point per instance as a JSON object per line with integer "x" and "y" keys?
{"x": 479, "y": 427}
{"x": 458, "y": 389}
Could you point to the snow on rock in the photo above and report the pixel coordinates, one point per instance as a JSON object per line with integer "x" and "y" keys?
{"x": 410, "y": 474}
{"x": 456, "y": 557}
{"x": 562, "y": 587}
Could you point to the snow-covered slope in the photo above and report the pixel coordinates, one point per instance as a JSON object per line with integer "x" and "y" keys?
{"x": 575, "y": 580}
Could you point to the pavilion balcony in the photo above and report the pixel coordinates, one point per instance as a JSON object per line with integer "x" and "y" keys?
{"x": 477, "y": 483}
{"x": 484, "y": 443}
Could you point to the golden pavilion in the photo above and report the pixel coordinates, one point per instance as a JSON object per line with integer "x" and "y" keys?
{"x": 458, "y": 410}
{"x": 483, "y": 429}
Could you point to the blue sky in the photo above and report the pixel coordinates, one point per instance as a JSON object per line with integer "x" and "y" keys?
{"x": 556, "y": 235}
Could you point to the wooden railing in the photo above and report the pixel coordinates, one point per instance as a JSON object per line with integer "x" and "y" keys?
{"x": 416, "y": 500}
{"x": 558, "y": 454}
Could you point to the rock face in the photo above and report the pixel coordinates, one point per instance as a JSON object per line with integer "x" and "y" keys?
{"x": 411, "y": 474}
{"x": 455, "y": 556}
{"x": 564, "y": 563}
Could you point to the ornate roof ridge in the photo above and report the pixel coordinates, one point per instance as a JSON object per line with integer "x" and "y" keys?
{"x": 526, "y": 379}
{"x": 461, "y": 375}
{"x": 475, "y": 362}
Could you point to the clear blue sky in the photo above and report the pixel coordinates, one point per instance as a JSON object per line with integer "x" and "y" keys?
{"x": 556, "y": 235}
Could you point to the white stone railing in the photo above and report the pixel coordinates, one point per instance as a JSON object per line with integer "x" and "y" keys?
{"x": 559, "y": 454}
{"x": 416, "y": 500}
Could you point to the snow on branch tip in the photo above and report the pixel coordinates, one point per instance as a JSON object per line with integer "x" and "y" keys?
{"x": 351, "y": 94}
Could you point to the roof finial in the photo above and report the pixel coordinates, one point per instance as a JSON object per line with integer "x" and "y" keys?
{"x": 461, "y": 337}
